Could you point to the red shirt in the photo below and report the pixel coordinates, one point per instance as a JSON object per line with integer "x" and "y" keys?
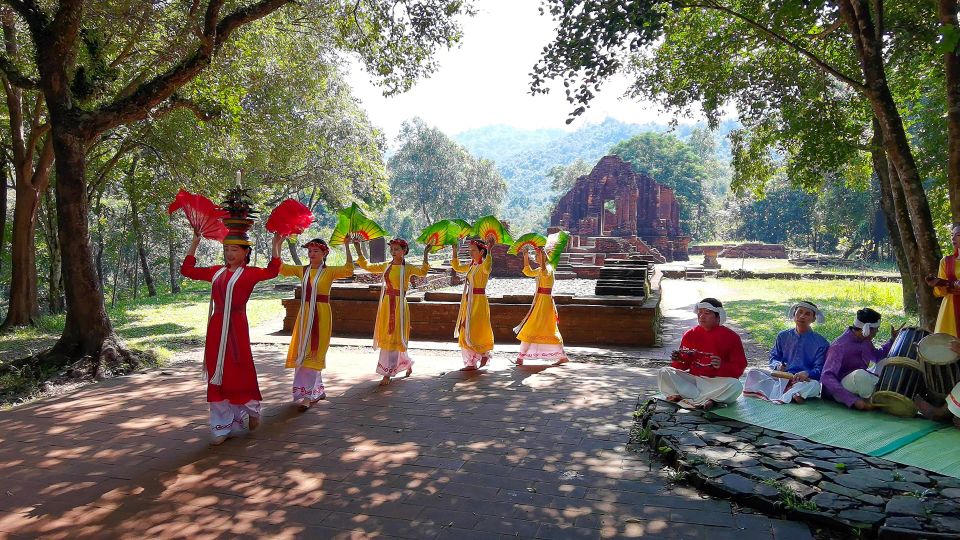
{"x": 720, "y": 341}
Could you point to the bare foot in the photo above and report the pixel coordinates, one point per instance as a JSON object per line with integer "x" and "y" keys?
{"x": 384, "y": 381}
{"x": 797, "y": 399}
{"x": 519, "y": 362}
{"x": 561, "y": 361}
{"x": 468, "y": 368}
{"x": 409, "y": 372}
{"x": 707, "y": 405}
{"x": 484, "y": 360}
{"x": 254, "y": 423}
{"x": 302, "y": 404}
{"x": 927, "y": 410}
{"x": 674, "y": 398}
{"x": 320, "y": 398}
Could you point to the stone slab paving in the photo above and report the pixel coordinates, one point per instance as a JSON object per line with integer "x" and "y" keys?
{"x": 531, "y": 453}
{"x": 849, "y": 492}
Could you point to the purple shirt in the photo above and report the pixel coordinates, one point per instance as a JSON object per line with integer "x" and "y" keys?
{"x": 846, "y": 355}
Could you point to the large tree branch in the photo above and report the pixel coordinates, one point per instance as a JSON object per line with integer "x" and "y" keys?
{"x": 41, "y": 173}
{"x": 800, "y": 49}
{"x": 176, "y": 102}
{"x": 31, "y": 12}
{"x": 137, "y": 105}
{"x": 16, "y": 78}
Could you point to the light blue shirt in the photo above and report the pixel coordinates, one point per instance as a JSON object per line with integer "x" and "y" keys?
{"x": 800, "y": 352}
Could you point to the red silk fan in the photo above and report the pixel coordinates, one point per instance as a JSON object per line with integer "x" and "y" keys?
{"x": 203, "y": 216}
{"x": 289, "y": 218}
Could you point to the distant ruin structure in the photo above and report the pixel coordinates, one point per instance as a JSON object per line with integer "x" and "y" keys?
{"x": 615, "y": 201}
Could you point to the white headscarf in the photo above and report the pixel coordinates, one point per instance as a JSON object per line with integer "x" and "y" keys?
{"x": 792, "y": 312}
{"x": 718, "y": 310}
{"x": 865, "y": 326}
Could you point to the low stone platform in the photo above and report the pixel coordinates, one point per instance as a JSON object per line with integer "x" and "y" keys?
{"x": 783, "y": 474}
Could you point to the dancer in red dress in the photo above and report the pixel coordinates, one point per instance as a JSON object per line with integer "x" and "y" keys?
{"x": 232, "y": 389}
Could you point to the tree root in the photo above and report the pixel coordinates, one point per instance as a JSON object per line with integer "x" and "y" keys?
{"x": 54, "y": 367}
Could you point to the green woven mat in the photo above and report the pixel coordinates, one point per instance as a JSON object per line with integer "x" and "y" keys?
{"x": 938, "y": 452}
{"x": 913, "y": 441}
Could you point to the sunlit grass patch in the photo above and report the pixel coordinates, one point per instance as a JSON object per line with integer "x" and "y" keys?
{"x": 760, "y": 306}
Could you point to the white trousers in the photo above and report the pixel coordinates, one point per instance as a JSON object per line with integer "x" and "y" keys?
{"x": 695, "y": 390}
{"x": 307, "y": 383}
{"x": 227, "y": 418}
{"x": 473, "y": 358}
{"x": 760, "y": 384}
{"x": 860, "y": 382}
{"x": 541, "y": 351}
{"x": 393, "y": 362}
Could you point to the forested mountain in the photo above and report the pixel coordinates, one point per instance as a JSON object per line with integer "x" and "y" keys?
{"x": 524, "y": 158}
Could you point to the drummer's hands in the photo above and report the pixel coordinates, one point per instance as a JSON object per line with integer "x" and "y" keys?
{"x": 862, "y": 405}
{"x": 801, "y": 377}
{"x": 894, "y": 331}
{"x": 932, "y": 280}
{"x": 714, "y": 361}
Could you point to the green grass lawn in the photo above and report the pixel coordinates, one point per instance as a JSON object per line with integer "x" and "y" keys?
{"x": 163, "y": 324}
{"x": 785, "y": 266}
{"x": 760, "y": 306}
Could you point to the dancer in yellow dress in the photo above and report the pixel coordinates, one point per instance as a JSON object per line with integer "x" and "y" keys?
{"x": 538, "y": 333}
{"x": 473, "y": 330}
{"x": 392, "y": 330}
{"x": 307, "y": 354}
{"x": 946, "y": 285}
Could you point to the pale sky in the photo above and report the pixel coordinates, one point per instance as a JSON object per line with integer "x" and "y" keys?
{"x": 486, "y": 81}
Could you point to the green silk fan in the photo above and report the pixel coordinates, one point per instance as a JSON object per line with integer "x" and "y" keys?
{"x": 439, "y": 234}
{"x": 351, "y": 221}
{"x": 490, "y": 224}
{"x": 533, "y": 240}
{"x": 556, "y": 243}
{"x": 460, "y": 228}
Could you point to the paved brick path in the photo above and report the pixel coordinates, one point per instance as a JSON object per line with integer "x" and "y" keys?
{"x": 531, "y": 453}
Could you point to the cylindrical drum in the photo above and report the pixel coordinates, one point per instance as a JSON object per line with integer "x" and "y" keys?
{"x": 941, "y": 366}
{"x": 908, "y": 339}
{"x": 900, "y": 380}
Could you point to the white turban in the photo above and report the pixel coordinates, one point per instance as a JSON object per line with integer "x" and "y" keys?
{"x": 805, "y": 305}
{"x": 718, "y": 310}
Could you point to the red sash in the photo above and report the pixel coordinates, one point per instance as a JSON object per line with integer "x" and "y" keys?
{"x": 950, "y": 268}
{"x": 544, "y": 290}
{"x": 321, "y": 299}
{"x": 479, "y": 291}
{"x": 393, "y": 295}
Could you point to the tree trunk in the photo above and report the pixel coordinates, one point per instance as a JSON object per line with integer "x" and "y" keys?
{"x": 947, "y": 13}
{"x": 172, "y": 261}
{"x": 924, "y": 259}
{"x": 897, "y": 223}
{"x": 99, "y": 256}
{"x": 292, "y": 246}
{"x": 138, "y": 230}
{"x": 87, "y": 332}
{"x": 55, "y": 302}
{"x": 23, "y": 308}
{"x": 4, "y": 168}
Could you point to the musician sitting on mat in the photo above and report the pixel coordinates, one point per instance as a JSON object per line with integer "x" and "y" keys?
{"x": 796, "y": 360}
{"x": 949, "y": 410}
{"x": 846, "y": 376}
{"x": 707, "y": 368}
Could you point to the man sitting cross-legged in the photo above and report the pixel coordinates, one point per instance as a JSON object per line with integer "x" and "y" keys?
{"x": 846, "y": 376}
{"x": 706, "y": 369}
{"x": 800, "y": 353}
